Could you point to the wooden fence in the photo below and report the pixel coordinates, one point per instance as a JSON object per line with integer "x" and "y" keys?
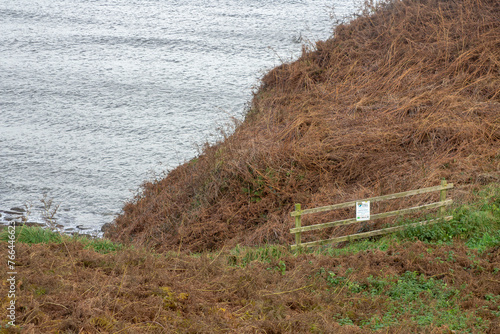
{"x": 298, "y": 213}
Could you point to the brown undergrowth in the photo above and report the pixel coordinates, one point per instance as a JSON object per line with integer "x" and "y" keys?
{"x": 69, "y": 289}
{"x": 398, "y": 98}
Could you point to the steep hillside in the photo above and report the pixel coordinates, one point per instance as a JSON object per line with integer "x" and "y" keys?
{"x": 403, "y": 95}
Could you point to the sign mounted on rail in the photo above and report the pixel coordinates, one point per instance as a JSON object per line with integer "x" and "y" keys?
{"x": 362, "y": 211}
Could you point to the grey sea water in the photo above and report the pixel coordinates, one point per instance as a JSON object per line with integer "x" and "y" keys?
{"x": 97, "y": 96}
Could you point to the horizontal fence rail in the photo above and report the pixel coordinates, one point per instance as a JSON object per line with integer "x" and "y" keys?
{"x": 298, "y": 213}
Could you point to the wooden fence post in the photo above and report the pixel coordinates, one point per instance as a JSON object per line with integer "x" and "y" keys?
{"x": 298, "y": 223}
{"x": 442, "y": 196}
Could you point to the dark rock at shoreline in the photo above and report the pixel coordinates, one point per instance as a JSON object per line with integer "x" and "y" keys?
{"x": 30, "y": 224}
{"x": 12, "y": 212}
{"x": 18, "y": 209}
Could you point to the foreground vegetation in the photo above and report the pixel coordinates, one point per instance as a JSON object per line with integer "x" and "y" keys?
{"x": 434, "y": 279}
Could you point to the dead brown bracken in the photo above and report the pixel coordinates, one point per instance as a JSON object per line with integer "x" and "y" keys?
{"x": 403, "y": 95}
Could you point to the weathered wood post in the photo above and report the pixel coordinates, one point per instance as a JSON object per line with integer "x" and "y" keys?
{"x": 442, "y": 196}
{"x": 298, "y": 223}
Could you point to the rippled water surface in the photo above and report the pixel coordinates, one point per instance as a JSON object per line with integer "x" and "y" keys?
{"x": 98, "y": 96}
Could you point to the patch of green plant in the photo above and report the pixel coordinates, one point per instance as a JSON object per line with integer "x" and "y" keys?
{"x": 281, "y": 268}
{"x": 33, "y": 235}
{"x": 255, "y": 195}
{"x": 477, "y": 223}
{"x": 333, "y": 279}
{"x": 429, "y": 301}
{"x": 38, "y": 235}
{"x": 255, "y": 190}
{"x": 101, "y": 245}
{"x": 242, "y": 256}
{"x": 261, "y": 184}
{"x": 411, "y": 297}
{"x": 377, "y": 286}
{"x": 344, "y": 321}
{"x": 40, "y": 291}
{"x": 354, "y": 247}
{"x": 484, "y": 242}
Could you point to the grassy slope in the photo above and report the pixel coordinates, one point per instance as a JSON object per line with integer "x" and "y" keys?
{"x": 429, "y": 280}
{"x": 400, "y": 97}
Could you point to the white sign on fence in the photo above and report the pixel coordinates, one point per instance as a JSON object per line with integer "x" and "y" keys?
{"x": 362, "y": 211}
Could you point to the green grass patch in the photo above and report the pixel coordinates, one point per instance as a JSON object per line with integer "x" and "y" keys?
{"x": 408, "y": 299}
{"x": 38, "y": 235}
{"x": 100, "y": 245}
{"x": 33, "y": 235}
{"x": 382, "y": 243}
{"x": 242, "y": 256}
{"x": 478, "y": 224}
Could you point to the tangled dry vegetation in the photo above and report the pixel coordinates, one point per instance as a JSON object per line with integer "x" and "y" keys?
{"x": 403, "y": 95}
{"x": 413, "y": 288}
